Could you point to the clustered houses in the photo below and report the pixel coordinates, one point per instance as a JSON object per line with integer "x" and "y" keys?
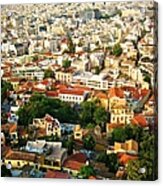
{"x": 76, "y": 53}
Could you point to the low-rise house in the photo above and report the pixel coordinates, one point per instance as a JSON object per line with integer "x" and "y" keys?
{"x": 74, "y": 163}
{"x": 103, "y": 98}
{"x": 52, "y": 153}
{"x": 116, "y": 95}
{"x": 11, "y": 130}
{"x": 57, "y": 175}
{"x": 129, "y": 146}
{"x": 56, "y": 157}
{"x": 18, "y": 159}
{"x": 51, "y": 125}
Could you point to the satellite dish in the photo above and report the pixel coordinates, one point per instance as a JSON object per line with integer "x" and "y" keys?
{"x": 9, "y": 166}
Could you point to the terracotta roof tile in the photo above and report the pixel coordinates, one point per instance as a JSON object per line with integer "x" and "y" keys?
{"x": 56, "y": 174}
{"x": 125, "y": 158}
{"x": 139, "y": 120}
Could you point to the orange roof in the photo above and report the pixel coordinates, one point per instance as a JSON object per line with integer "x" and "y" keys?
{"x": 125, "y": 158}
{"x": 17, "y": 155}
{"x": 74, "y": 165}
{"x": 56, "y": 174}
{"x": 38, "y": 90}
{"x": 52, "y": 93}
{"x": 61, "y": 86}
{"x": 75, "y": 161}
{"x": 92, "y": 178}
{"x": 101, "y": 95}
{"x": 116, "y": 92}
{"x": 14, "y": 79}
{"x": 9, "y": 127}
{"x": 115, "y": 125}
{"x": 72, "y": 91}
{"x": 139, "y": 120}
{"x": 144, "y": 92}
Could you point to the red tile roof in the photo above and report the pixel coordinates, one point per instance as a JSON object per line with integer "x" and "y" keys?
{"x": 116, "y": 92}
{"x": 101, "y": 95}
{"x": 52, "y": 93}
{"x": 9, "y": 127}
{"x": 72, "y": 91}
{"x": 125, "y": 158}
{"x": 17, "y": 155}
{"x": 75, "y": 161}
{"x": 115, "y": 125}
{"x": 139, "y": 120}
{"x": 56, "y": 174}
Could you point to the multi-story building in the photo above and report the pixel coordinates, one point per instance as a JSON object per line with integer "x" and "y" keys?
{"x": 51, "y": 125}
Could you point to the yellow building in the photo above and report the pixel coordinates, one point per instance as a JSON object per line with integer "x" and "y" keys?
{"x": 64, "y": 76}
{"x": 121, "y": 114}
{"x": 18, "y": 159}
{"x": 103, "y": 98}
{"x": 129, "y": 146}
{"x": 78, "y": 132}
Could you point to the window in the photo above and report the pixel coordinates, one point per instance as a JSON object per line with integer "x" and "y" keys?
{"x": 18, "y": 164}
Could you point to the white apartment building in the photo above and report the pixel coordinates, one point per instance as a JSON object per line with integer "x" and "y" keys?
{"x": 73, "y": 95}
{"x": 29, "y": 72}
{"x": 97, "y": 82}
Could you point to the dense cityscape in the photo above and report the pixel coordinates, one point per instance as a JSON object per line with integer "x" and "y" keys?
{"x": 79, "y": 90}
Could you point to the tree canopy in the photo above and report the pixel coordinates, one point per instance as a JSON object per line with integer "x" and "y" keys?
{"x": 92, "y": 112}
{"x": 5, "y": 87}
{"x": 87, "y": 171}
{"x": 110, "y": 160}
{"x": 39, "y": 105}
{"x": 126, "y": 133}
{"x": 89, "y": 142}
{"x": 117, "y": 50}
{"x": 66, "y": 63}
{"x": 48, "y": 73}
{"x": 147, "y": 157}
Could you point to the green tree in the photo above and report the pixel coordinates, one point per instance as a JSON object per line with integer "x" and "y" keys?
{"x": 5, "y": 87}
{"x": 35, "y": 58}
{"x": 71, "y": 45}
{"x": 100, "y": 116}
{"x": 89, "y": 142}
{"x": 66, "y": 63}
{"x": 117, "y": 50}
{"x": 119, "y": 135}
{"x": 40, "y": 105}
{"x": 48, "y": 74}
{"x": 5, "y": 172}
{"x": 110, "y": 160}
{"x": 87, "y": 171}
{"x": 70, "y": 145}
{"x": 97, "y": 70}
{"x": 147, "y": 78}
{"x": 147, "y": 160}
{"x": 87, "y": 111}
